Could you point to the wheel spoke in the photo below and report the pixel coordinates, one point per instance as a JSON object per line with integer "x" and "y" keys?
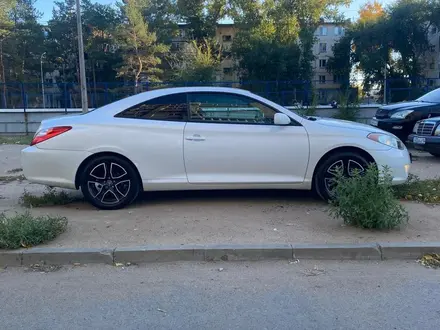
{"x": 99, "y": 171}
{"x": 347, "y": 167}
{"x": 123, "y": 187}
{"x": 117, "y": 171}
{"x": 109, "y": 192}
{"x": 335, "y": 167}
{"x": 354, "y": 166}
{"x": 329, "y": 185}
{"x": 95, "y": 188}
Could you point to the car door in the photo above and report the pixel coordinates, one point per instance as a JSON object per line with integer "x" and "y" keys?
{"x": 153, "y": 138}
{"x": 231, "y": 138}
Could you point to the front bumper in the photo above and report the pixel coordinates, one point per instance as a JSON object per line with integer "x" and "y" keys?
{"x": 399, "y": 127}
{"x": 432, "y": 143}
{"x": 55, "y": 168}
{"x": 397, "y": 161}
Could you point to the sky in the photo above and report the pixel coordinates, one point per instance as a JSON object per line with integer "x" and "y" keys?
{"x": 45, "y": 6}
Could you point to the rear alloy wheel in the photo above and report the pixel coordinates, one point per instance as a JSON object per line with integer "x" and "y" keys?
{"x": 110, "y": 183}
{"x": 348, "y": 162}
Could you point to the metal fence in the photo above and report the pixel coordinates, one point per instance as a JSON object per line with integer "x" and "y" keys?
{"x": 67, "y": 95}
{"x": 404, "y": 89}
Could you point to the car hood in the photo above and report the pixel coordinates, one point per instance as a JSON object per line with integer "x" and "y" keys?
{"x": 347, "y": 125}
{"x": 405, "y": 105}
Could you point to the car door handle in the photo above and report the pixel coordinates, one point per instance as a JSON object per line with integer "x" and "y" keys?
{"x": 195, "y": 137}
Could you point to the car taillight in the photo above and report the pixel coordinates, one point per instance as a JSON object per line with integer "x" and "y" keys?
{"x": 48, "y": 133}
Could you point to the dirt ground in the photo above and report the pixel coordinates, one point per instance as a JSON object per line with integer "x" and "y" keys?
{"x": 216, "y": 217}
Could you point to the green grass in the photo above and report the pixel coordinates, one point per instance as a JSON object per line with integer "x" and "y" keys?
{"x": 50, "y": 197}
{"x": 26, "y": 230}
{"x": 426, "y": 191}
{"x": 19, "y": 139}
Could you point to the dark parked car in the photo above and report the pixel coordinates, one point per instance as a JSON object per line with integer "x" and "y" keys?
{"x": 426, "y": 136}
{"x": 400, "y": 118}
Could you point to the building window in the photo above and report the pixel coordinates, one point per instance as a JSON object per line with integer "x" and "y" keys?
{"x": 431, "y": 65}
{"x": 227, "y": 70}
{"x": 227, "y": 38}
{"x": 322, "y": 30}
{"x": 339, "y": 31}
{"x": 433, "y": 30}
{"x": 322, "y": 63}
{"x": 323, "y": 47}
{"x": 322, "y": 79}
{"x": 432, "y": 48}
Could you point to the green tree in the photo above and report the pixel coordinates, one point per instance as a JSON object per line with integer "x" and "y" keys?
{"x": 62, "y": 39}
{"x": 276, "y": 38}
{"x": 141, "y": 52}
{"x": 6, "y": 25}
{"x": 100, "y": 22}
{"x": 409, "y": 25}
{"x": 27, "y": 43}
{"x": 162, "y": 17}
{"x": 401, "y": 30}
{"x": 202, "y": 16}
{"x": 197, "y": 62}
{"x": 342, "y": 61}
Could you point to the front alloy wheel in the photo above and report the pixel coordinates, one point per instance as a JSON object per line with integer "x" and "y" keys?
{"x": 110, "y": 183}
{"x": 346, "y": 162}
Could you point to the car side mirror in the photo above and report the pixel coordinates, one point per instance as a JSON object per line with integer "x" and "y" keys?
{"x": 281, "y": 119}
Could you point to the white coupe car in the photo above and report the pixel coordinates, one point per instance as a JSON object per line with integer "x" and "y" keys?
{"x": 201, "y": 138}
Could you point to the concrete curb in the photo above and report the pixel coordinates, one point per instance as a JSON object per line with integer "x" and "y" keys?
{"x": 217, "y": 252}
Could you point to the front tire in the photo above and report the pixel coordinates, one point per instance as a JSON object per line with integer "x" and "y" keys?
{"x": 327, "y": 170}
{"x": 110, "y": 183}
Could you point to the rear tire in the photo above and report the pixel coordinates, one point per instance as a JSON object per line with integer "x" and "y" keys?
{"x": 110, "y": 182}
{"x": 328, "y": 169}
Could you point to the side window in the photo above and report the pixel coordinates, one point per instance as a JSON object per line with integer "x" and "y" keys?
{"x": 169, "y": 107}
{"x": 228, "y": 108}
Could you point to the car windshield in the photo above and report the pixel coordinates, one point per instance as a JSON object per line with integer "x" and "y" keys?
{"x": 431, "y": 97}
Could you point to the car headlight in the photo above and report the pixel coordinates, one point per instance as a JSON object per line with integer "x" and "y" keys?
{"x": 402, "y": 114}
{"x": 387, "y": 140}
{"x": 437, "y": 130}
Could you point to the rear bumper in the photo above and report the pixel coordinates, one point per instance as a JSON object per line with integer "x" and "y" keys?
{"x": 399, "y": 127}
{"x": 56, "y": 168}
{"x": 432, "y": 143}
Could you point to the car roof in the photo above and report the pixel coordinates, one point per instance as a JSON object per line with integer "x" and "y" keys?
{"x": 117, "y": 106}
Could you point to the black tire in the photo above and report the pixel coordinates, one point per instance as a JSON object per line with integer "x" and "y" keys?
{"x": 435, "y": 154}
{"x": 326, "y": 171}
{"x": 110, "y": 183}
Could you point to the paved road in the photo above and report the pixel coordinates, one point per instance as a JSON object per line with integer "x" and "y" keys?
{"x": 265, "y": 295}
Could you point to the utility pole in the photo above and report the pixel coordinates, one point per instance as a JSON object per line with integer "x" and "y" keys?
{"x": 82, "y": 64}
{"x": 42, "y": 80}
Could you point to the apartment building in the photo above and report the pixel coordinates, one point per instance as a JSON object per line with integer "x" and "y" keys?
{"x": 225, "y": 34}
{"x": 327, "y": 35}
{"x": 431, "y": 63}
